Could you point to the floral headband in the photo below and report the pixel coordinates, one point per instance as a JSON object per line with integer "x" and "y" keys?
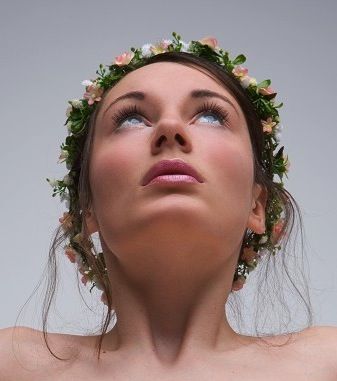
{"x": 79, "y": 111}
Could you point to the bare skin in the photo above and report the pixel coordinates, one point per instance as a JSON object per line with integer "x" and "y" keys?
{"x": 171, "y": 251}
{"x": 307, "y": 355}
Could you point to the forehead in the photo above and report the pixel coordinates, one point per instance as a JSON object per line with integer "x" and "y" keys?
{"x": 166, "y": 72}
{"x": 167, "y": 79}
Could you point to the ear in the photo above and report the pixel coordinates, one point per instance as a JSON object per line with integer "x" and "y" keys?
{"x": 91, "y": 221}
{"x": 257, "y": 216}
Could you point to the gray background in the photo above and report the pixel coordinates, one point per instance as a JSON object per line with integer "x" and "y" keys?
{"x": 47, "y": 48}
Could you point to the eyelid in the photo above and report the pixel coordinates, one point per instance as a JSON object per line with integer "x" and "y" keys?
{"x": 216, "y": 109}
{"x": 121, "y": 115}
{"x": 126, "y": 112}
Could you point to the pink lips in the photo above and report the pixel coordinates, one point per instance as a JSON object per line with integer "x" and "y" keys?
{"x": 172, "y": 167}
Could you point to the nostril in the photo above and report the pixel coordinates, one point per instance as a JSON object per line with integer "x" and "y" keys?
{"x": 160, "y": 140}
{"x": 178, "y": 137}
{"x": 180, "y": 140}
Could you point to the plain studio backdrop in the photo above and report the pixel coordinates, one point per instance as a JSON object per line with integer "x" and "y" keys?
{"x": 47, "y": 48}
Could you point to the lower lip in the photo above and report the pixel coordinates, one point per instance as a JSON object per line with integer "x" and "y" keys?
{"x": 173, "y": 179}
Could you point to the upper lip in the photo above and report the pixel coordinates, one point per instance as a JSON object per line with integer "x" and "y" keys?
{"x": 170, "y": 167}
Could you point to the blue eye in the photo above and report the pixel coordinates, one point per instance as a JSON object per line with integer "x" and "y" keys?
{"x": 210, "y": 117}
{"x": 213, "y": 114}
{"x": 132, "y": 120}
{"x": 128, "y": 116}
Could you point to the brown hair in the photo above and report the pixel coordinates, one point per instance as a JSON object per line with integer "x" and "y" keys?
{"x": 273, "y": 271}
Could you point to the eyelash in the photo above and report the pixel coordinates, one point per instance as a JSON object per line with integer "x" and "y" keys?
{"x": 125, "y": 113}
{"x": 217, "y": 110}
{"x": 209, "y": 107}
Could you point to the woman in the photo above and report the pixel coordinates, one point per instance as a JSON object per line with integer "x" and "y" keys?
{"x": 172, "y": 157}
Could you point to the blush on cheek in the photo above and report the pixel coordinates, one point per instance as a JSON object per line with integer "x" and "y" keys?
{"x": 233, "y": 177}
{"x": 114, "y": 177}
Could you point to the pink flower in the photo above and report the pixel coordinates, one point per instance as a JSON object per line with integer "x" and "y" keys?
{"x": 277, "y": 232}
{"x": 210, "y": 41}
{"x": 124, "y": 59}
{"x": 240, "y": 71}
{"x": 267, "y": 91}
{"x": 166, "y": 43}
{"x": 238, "y": 284}
{"x": 66, "y": 221}
{"x": 268, "y": 125}
{"x": 84, "y": 279}
{"x": 93, "y": 93}
{"x": 71, "y": 254}
{"x": 161, "y": 47}
{"x": 248, "y": 255}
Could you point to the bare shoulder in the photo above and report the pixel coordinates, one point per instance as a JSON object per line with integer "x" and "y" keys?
{"x": 320, "y": 343}
{"x": 8, "y": 363}
{"x": 24, "y": 354}
{"x": 309, "y": 354}
{"x": 9, "y": 369}
{"x": 324, "y": 337}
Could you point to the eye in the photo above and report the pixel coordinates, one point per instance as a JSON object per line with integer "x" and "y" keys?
{"x": 211, "y": 113}
{"x": 130, "y": 115}
{"x": 132, "y": 119}
{"x": 209, "y": 117}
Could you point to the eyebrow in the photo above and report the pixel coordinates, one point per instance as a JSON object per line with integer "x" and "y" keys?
{"x": 204, "y": 93}
{"x": 139, "y": 95}
{"x": 198, "y": 93}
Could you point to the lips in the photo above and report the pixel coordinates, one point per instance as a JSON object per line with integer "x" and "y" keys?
{"x": 171, "y": 167}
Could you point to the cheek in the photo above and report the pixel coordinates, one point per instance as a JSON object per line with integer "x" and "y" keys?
{"x": 114, "y": 169}
{"x": 233, "y": 172}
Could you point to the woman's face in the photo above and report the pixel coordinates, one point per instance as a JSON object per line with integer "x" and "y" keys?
{"x": 168, "y": 123}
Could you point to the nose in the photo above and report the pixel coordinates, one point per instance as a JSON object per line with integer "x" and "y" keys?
{"x": 170, "y": 133}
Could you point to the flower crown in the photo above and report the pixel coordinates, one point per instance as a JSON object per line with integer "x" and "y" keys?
{"x": 79, "y": 111}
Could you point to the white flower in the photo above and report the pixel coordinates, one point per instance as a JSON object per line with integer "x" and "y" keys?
{"x": 63, "y": 156}
{"x": 247, "y": 80}
{"x": 87, "y": 82}
{"x": 263, "y": 239}
{"x": 53, "y": 182}
{"x": 67, "y": 179}
{"x": 64, "y": 197}
{"x": 146, "y": 50}
{"x": 278, "y": 132}
{"x": 69, "y": 110}
{"x": 185, "y": 46}
{"x": 76, "y": 103}
{"x": 279, "y": 127}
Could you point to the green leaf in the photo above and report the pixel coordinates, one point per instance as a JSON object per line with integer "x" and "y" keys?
{"x": 239, "y": 60}
{"x": 279, "y": 105}
{"x": 263, "y": 84}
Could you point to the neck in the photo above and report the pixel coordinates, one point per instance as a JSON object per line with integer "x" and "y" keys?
{"x": 170, "y": 304}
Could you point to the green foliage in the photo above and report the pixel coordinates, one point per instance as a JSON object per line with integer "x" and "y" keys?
{"x": 274, "y": 161}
